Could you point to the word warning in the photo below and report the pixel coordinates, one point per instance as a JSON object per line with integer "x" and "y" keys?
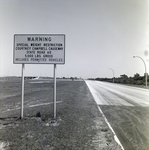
{"x": 39, "y": 49}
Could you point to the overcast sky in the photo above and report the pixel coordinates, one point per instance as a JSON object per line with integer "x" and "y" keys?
{"x": 100, "y": 34}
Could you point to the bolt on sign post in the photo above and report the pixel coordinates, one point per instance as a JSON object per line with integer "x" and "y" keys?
{"x": 39, "y": 49}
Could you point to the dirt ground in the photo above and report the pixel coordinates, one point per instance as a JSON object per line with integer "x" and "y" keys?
{"x": 78, "y": 125}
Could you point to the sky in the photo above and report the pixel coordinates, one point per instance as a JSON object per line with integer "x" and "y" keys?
{"x": 100, "y": 34}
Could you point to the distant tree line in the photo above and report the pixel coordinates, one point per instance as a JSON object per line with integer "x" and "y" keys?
{"x": 124, "y": 79}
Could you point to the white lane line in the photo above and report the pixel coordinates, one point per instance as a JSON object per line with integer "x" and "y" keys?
{"x": 40, "y": 82}
{"x": 11, "y": 109}
{"x": 44, "y": 104}
{"x": 115, "y": 136}
{"x": 36, "y": 105}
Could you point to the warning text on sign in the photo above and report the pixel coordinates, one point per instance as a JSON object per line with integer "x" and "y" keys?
{"x": 39, "y": 49}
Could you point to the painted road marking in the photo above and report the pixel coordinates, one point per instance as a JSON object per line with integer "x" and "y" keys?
{"x": 96, "y": 100}
{"x": 36, "y": 105}
{"x": 44, "y": 104}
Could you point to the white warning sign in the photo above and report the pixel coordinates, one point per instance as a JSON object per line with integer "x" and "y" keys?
{"x": 39, "y": 49}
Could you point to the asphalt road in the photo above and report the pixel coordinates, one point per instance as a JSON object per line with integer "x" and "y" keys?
{"x": 127, "y": 110}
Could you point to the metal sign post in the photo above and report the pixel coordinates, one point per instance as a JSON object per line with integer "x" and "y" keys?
{"x": 54, "y": 94}
{"x": 22, "y": 102}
